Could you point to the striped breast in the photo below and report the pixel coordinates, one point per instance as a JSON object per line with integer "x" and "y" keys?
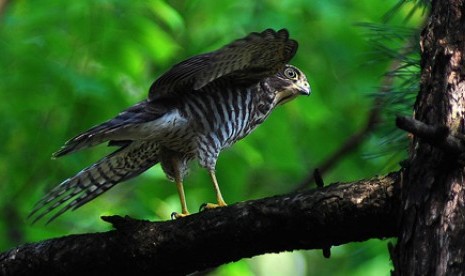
{"x": 220, "y": 118}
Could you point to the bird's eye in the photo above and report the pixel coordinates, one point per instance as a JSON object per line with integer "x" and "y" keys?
{"x": 290, "y": 73}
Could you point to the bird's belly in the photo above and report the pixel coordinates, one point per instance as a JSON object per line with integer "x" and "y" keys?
{"x": 180, "y": 140}
{"x": 203, "y": 137}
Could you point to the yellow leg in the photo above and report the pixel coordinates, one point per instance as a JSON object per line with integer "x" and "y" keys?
{"x": 219, "y": 197}
{"x": 182, "y": 198}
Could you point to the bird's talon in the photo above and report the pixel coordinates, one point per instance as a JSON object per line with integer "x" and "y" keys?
{"x": 202, "y": 207}
{"x": 173, "y": 215}
{"x": 208, "y": 206}
{"x": 176, "y": 215}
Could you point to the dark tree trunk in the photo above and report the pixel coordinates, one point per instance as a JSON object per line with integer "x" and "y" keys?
{"x": 432, "y": 220}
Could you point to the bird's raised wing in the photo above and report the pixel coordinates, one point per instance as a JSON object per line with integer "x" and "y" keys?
{"x": 247, "y": 60}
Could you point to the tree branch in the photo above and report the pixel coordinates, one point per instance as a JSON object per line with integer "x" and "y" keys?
{"x": 438, "y": 136}
{"x": 333, "y": 215}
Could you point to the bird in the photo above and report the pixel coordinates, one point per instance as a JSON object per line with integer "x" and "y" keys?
{"x": 193, "y": 111}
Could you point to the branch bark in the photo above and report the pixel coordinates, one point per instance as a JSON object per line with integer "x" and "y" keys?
{"x": 438, "y": 136}
{"x": 432, "y": 221}
{"x": 333, "y": 215}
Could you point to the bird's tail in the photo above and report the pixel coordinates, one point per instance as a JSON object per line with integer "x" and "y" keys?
{"x": 123, "y": 164}
{"x": 119, "y": 128}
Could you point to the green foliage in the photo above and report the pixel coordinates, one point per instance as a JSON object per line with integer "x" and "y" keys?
{"x": 68, "y": 65}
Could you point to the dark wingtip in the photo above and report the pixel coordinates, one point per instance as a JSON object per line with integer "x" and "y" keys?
{"x": 69, "y": 147}
{"x": 269, "y": 32}
{"x": 61, "y": 152}
{"x": 284, "y": 33}
{"x": 37, "y": 218}
{"x": 291, "y": 48}
{"x": 57, "y": 154}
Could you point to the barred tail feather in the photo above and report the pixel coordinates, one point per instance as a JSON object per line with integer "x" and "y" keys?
{"x": 118, "y": 128}
{"x": 121, "y": 165}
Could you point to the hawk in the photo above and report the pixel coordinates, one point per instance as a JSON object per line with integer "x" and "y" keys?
{"x": 193, "y": 111}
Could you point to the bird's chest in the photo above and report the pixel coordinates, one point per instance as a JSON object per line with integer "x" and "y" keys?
{"x": 216, "y": 121}
{"x": 225, "y": 124}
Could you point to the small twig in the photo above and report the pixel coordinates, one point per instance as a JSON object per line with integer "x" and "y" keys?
{"x": 357, "y": 138}
{"x": 350, "y": 144}
{"x": 438, "y": 136}
{"x": 327, "y": 252}
{"x": 318, "y": 178}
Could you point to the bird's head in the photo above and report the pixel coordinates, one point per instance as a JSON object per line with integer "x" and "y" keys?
{"x": 289, "y": 83}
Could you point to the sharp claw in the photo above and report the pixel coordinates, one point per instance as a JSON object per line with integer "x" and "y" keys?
{"x": 206, "y": 206}
{"x": 203, "y": 207}
{"x": 174, "y": 215}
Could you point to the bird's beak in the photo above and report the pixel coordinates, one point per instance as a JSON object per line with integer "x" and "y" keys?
{"x": 304, "y": 88}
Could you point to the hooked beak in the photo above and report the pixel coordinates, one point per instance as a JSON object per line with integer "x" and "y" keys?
{"x": 304, "y": 88}
{"x": 301, "y": 88}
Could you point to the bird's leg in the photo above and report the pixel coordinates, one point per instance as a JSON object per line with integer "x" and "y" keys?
{"x": 219, "y": 197}
{"x": 182, "y": 197}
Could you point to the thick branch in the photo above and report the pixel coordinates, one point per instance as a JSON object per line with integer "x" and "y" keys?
{"x": 437, "y": 136}
{"x": 333, "y": 215}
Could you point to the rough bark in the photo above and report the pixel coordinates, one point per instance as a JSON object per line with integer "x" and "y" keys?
{"x": 320, "y": 218}
{"x": 437, "y": 136}
{"x": 432, "y": 227}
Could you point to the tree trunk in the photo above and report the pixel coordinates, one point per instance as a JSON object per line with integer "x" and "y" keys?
{"x": 432, "y": 220}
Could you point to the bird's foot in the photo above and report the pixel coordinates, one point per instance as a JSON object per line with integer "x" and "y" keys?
{"x": 176, "y": 215}
{"x": 207, "y": 206}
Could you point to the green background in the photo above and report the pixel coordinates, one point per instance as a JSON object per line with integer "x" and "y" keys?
{"x": 68, "y": 65}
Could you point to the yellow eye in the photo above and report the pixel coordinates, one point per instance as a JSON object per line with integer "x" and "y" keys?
{"x": 290, "y": 73}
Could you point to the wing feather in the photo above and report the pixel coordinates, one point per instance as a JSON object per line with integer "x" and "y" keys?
{"x": 247, "y": 60}
{"x": 119, "y": 129}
